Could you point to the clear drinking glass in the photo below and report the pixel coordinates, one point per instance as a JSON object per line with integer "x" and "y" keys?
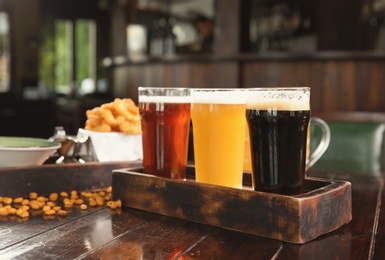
{"x": 219, "y": 124}
{"x": 278, "y": 120}
{"x": 165, "y": 120}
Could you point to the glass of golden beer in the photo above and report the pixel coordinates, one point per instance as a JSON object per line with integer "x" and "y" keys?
{"x": 165, "y": 120}
{"x": 219, "y": 125}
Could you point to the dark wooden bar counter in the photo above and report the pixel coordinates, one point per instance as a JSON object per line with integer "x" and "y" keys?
{"x": 102, "y": 233}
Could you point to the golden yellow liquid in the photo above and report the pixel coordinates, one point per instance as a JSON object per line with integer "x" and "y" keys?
{"x": 247, "y": 155}
{"x": 219, "y": 143}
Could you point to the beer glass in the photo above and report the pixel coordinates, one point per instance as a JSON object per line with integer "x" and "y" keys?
{"x": 165, "y": 120}
{"x": 219, "y": 125}
{"x": 278, "y": 120}
{"x": 311, "y": 156}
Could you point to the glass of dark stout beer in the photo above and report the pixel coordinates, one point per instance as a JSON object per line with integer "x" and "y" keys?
{"x": 278, "y": 120}
{"x": 165, "y": 120}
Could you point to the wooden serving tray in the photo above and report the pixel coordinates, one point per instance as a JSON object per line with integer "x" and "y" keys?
{"x": 296, "y": 219}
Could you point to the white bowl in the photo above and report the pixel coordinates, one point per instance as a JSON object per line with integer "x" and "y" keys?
{"x": 114, "y": 146}
{"x": 25, "y": 151}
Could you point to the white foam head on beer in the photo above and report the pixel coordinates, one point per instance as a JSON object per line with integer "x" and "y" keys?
{"x": 219, "y": 96}
{"x": 289, "y": 99}
{"x": 164, "y": 99}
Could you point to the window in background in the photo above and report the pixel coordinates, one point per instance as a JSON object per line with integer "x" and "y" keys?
{"x": 4, "y": 53}
{"x": 63, "y": 56}
{"x": 85, "y": 55}
{"x": 68, "y": 55}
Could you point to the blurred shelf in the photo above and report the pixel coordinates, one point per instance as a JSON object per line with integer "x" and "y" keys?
{"x": 273, "y": 55}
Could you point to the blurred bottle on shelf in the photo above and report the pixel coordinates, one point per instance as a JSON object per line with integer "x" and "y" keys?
{"x": 156, "y": 41}
{"x": 163, "y": 40}
{"x": 169, "y": 38}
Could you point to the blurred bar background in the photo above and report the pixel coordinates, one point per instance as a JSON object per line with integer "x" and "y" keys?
{"x": 59, "y": 58}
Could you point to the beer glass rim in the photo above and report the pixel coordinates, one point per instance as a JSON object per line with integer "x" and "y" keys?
{"x": 163, "y": 95}
{"x": 163, "y": 88}
{"x": 219, "y": 95}
{"x": 304, "y": 88}
{"x": 282, "y": 98}
{"x": 217, "y": 89}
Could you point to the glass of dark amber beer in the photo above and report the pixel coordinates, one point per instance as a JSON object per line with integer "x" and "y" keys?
{"x": 278, "y": 120}
{"x": 165, "y": 120}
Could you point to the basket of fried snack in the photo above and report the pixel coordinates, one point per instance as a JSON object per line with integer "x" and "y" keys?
{"x": 114, "y": 131}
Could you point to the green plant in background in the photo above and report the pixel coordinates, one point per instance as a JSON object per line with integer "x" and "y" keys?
{"x": 67, "y": 53}
{"x": 63, "y": 53}
{"x": 84, "y": 50}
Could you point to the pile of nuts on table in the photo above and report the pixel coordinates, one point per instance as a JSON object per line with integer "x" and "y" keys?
{"x": 56, "y": 204}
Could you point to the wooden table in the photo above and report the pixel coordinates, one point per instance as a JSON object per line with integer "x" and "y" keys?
{"x": 100, "y": 233}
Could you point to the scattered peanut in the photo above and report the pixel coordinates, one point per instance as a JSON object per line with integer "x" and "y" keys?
{"x": 64, "y": 194}
{"x": 25, "y": 207}
{"x": 18, "y": 200}
{"x": 41, "y": 199}
{"x": 50, "y": 212}
{"x": 68, "y": 204}
{"x": 93, "y": 203}
{"x": 100, "y": 202}
{"x": 87, "y": 194}
{"x": 3, "y": 212}
{"x": 74, "y": 196}
{"x": 24, "y": 214}
{"x": 20, "y": 208}
{"x": 78, "y": 201}
{"x": 114, "y": 204}
{"x": 19, "y": 212}
{"x": 53, "y": 196}
{"x": 46, "y": 208}
{"x": 34, "y": 205}
{"x": 51, "y": 203}
{"x": 11, "y": 211}
{"x": 62, "y": 213}
{"x": 33, "y": 195}
{"x": 7, "y": 200}
{"x": 111, "y": 205}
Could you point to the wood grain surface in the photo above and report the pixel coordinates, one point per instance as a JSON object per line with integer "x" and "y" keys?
{"x": 133, "y": 234}
{"x": 297, "y": 219}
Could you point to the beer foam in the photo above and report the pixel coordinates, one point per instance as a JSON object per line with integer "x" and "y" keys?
{"x": 219, "y": 96}
{"x": 279, "y": 99}
{"x": 164, "y": 99}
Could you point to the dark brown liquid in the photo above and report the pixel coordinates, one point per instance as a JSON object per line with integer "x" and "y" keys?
{"x": 278, "y": 149}
{"x": 165, "y": 129}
